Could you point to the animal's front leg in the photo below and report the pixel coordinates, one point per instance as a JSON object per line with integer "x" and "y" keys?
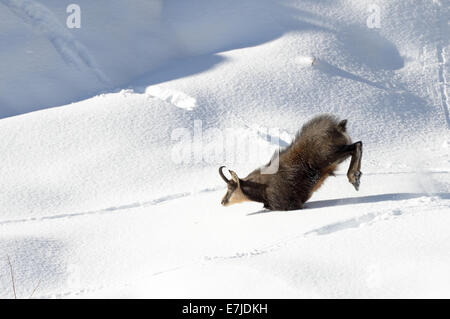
{"x": 354, "y": 171}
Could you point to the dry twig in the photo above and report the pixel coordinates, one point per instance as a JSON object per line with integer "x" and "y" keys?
{"x": 12, "y": 278}
{"x": 35, "y": 288}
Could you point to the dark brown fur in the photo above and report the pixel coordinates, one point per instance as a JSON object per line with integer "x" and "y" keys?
{"x": 317, "y": 150}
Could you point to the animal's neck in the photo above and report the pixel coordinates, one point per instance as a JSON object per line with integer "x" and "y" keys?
{"x": 254, "y": 191}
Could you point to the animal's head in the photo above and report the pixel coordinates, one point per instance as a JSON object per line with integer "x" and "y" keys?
{"x": 234, "y": 192}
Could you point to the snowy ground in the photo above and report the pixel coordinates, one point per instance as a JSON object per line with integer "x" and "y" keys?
{"x": 94, "y": 201}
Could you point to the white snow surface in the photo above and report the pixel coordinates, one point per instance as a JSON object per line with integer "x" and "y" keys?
{"x": 95, "y": 201}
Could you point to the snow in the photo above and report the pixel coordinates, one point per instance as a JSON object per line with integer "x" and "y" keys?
{"x": 110, "y": 187}
{"x": 174, "y": 97}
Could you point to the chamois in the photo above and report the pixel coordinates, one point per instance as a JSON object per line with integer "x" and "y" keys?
{"x": 314, "y": 154}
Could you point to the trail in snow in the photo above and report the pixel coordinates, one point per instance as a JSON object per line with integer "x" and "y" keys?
{"x": 112, "y": 209}
{"x": 442, "y": 7}
{"x": 373, "y": 217}
{"x": 43, "y": 21}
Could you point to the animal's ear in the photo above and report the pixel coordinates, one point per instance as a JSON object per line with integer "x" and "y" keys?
{"x": 342, "y": 126}
{"x": 234, "y": 177}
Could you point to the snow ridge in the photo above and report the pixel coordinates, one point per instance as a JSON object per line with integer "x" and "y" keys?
{"x": 177, "y": 98}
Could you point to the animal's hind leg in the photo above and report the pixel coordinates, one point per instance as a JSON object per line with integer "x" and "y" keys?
{"x": 354, "y": 170}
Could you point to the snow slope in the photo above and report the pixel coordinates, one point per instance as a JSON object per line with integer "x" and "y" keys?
{"x": 96, "y": 202}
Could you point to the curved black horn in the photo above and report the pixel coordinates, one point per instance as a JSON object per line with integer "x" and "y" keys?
{"x": 222, "y": 175}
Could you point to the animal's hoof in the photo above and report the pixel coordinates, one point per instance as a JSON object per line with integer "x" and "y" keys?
{"x": 354, "y": 179}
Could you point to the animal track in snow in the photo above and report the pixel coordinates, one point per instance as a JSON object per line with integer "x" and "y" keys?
{"x": 43, "y": 21}
{"x": 442, "y": 21}
{"x": 153, "y": 202}
{"x": 373, "y": 217}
